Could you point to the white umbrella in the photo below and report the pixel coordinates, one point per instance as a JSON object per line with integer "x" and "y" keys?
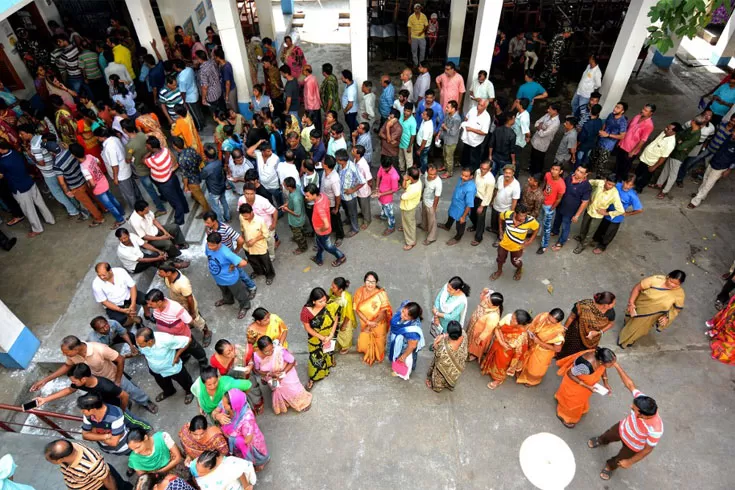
{"x": 547, "y": 461}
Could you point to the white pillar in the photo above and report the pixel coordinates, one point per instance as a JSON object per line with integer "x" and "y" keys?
{"x": 725, "y": 47}
{"x": 358, "y": 40}
{"x": 664, "y": 60}
{"x": 630, "y": 40}
{"x": 457, "y": 14}
{"x": 486, "y": 30}
{"x": 17, "y": 343}
{"x": 229, "y": 29}
{"x": 145, "y": 25}
{"x": 266, "y": 23}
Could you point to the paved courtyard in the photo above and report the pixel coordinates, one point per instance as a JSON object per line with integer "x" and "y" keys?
{"x": 367, "y": 429}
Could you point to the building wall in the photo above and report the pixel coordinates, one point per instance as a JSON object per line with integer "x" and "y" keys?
{"x": 176, "y": 12}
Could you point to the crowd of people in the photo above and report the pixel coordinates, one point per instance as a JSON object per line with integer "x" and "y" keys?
{"x": 106, "y": 119}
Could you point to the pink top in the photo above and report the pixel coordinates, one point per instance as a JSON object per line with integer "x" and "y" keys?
{"x": 637, "y": 131}
{"x": 451, "y": 88}
{"x": 388, "y": 182}
{"x": 312, "y": 100}
{"x": 93, "y": 173}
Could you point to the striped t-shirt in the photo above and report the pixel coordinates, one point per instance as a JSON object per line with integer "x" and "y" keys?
{"x": 68, "y": 166}
{"x": 173, "y": 319}
{"x": 161, "y": 165}
{"x": 44, "y": 158}
{"x": 514, "y": 236}
{"x": 637, "y": 432}
{"x": 170, "y": 98}
{"x": 69, "y": 58}
{"x": 87, "y": 472}
{"x": 115, "y": 422}
{"x": 229, "y": 235}
{"x": 89, "y": 62}
{"x": 721, "y": 135}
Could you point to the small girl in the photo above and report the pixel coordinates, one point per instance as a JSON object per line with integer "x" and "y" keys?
{"x": 432, "y": 32}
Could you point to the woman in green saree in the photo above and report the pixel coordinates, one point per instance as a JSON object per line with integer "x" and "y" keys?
{"x": 210, "y": 387}
{"x": 320, "y": 320}
{"x": 155, "y": 453}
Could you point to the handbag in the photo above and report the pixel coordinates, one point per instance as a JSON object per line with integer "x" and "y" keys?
{"x": 436, "y": 330}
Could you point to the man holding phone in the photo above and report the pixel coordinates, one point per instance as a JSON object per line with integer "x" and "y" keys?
{"x": 81, "y": 378}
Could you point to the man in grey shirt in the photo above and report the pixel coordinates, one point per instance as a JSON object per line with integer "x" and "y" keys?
{"x": 546, "y": 129}
{"x": 502, "y": 144}
{"x": 450, "y": 136}
{"x": 566, "y": 152}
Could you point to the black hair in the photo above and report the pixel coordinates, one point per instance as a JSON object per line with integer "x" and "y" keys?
{"x": 210, "y": 151}
{"x": 180, "y": 109}
{"x": 199, "y": 422}
{"x": 408, "y": 106}
{"x": 457, "y": 283}
{"x": 521, "y": 208}
{"x": 454, "y": 330}
{"x": 167, "y": 266}
{"x": 341, "y": 283}
{"x": 214, "y": 238}
{"x": 604, "y": 355}
{"x": 624, "y": 104}
{"x": 219, "y": 347}
{"x": 77, "y": 150}
{"x": 677, "y": 274}
{"x": 81, "y": 371}
{"x": 338, "y": 128}
{"x": 530, "y": 74}
{"x": 429, "y": 92}
{"x": 208, "y": 373}
{"x": 414, "y": 310}
{"x": 341, "y": 155}
{"x": 154, "y": 295}
{"x": 121, "y": 232}
{"x": 285, "y": 70}
{"x": 260, "y": 313}
{"x": 360, "y": 150}
{"x": 208, "y": 459}
{"x": 153, "y": 142}
{"x": 522, "y": 317}
{"x": 315, "y": 295}
{"x": 289, "y": 182}
{"x": 264, "y": 342}
{"x": 604, "y": 298}
{"x": 96, "y": 320}
{"x": 652, "y": 107}
{"x": 312, "y": 189}
{"x": 136, "y": 434}
{"x": 496, "y": 299}
{"x": 371, "y": 273}
{"x": 330, "y": 162}
{"x": 209, "y": 215}
{"x": 557, "y": 314}
{"x": 348, "y": 75}
{"x": 596, "y": 110}
{"x": 326, "y": 67}
{"x": 646, "y": 405}
{"x": 90, "y": 401}
{"x": 572, "y": 120}
{"x": 555, "y": 106}
{"x": 429, "y": 112}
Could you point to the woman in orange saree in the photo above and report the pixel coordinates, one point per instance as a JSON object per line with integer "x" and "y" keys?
{"x": 722, "y": 332}
{"x": 505, "y": 357}
{"x": 372, "y": 307}
{"x": 185, "y": 128}
{"x": 483, "y": 322}
{"x": 148, "y": 122}
{"x": 580, "y": 373}
{"x": 546, "y": 336}
{"x": 85, "y": 134}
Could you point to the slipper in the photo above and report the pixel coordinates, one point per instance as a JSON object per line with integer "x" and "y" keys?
{"x": 339, "y": 262}
{"x": 364, "y": 226}
{"x": 207, "y": 339}
{"x": 408, "y": 247}
{"x": 241, "y": 314}
{"x": 188, "y": 398}
{"x": 605, "y": 474}
{"x": 95, "y": 224}
{"x": 162, "y": 396}
{"x": 568, "y": 426}
{"x": 579, "y": 249}
{"x": 598, "y": 251}
{"x": 15, "y": 221}
{"x": 388, "y": 231}
{"x": 400, "y": 228}
{"x": 298, "y": 251}
{"x": 344, "y": 351}
{"x": 493, "y": 385}
{"x": 517, "y": 276}
{"x": 427, "y": 242}
{"x": 496, "y": 275}
{"x": 309, "y": 386}
{"x": 445, "y": 176}
{"x": 313, "y": 259}
{"x": 593, "y": 442}
{"x": 660, "y": 195}
{"x": 557, "y": 247}
{"x": 117, "y": 225}
{"x": 221, "y": 302}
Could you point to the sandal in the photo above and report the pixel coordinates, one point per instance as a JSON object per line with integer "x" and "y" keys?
{"x": 593, "y": 443}
{"x": 117, "y": 225}
{"x": 15, "y": 221}
{"x": 517, "y": 276}
{"x": 313, "y": 259}
{"x": 496, "y": 275}
{"x": 309, "y": 385}
{"x": 557, "y": 247}
{"x": 241, "y": 314}
{"x": 388, "y": 231}
{"x": 162, "y": 396}
{"x": 221, "y": 302}
{"x": 445, "y": 176}
{"x": 339, "y": 262}
{"x": 605, "y": 474}
{"x": 493, "y": 385}
{"x": 188, "y": 398}
{"x": 598, "y": 251}
{"x": 207, "y": 338}
{"x": 567, "y": 425}
{"x": 661, "y": 195}
{"x": 344, "y": 351}
{"x": 95, "y": 224}
{"x": 408, "y": 247}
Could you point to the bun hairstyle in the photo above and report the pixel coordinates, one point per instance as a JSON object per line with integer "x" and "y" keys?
{"x": 557, "y": 314}
{"x": 414, "y": 310}
{"x": 341, "y": 283}
{"x": 680, "y": 276}
{"x": 522, "y": 317}
{"x": 605, "y": 355}
{"x": 496, "y": 299}
{"x": 604, "y": 298}
{"x": 454, "y": 330}
{"x": 457, "y": 283}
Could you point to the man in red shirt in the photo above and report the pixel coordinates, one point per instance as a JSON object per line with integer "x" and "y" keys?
{"x": 639, "y": 432}
{"x": 322, "y": 222}
{"x": 554, "y": 189}
{"x": 163, "y": 168}
{"x": 173, "y": 319}
{"x": 639, "y": 129}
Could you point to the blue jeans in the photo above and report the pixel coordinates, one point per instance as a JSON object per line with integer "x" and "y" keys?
{"x": 219, "y": 205}
{"x": 565, "y": 223}
{"x": 245, "y": 277}
{"x": 498, "y": 166}
{"x": 582, "y": 157}
{"x": 77, "y": 85}
{"x": 387, "y": 211}
{"x": 324, "y": 242}
{"x": 171, "y": 190}
{"x": 689, "y": 163}
{"x": 423, "y": 157}
{"x": 578, "y": 101}
{"x": 113, "y": 205}
{"x": 147, "y": 183}
{"x": 548, "y": 220}
{"x": 72, "y": 205}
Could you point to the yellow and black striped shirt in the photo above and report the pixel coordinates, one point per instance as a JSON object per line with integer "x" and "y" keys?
{"x": 514, "y": 235}
{"x": 87, "y": 472}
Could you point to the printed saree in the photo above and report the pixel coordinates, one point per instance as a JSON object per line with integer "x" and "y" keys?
{"x": 501, "y": 362}
{"x": 213, "y": 440}
{"x": 448, "y": 364}
{"x": 243, "y": 427}
{"x": 723, "y": 334}
{"x": 319, "y": 361}
{"x": 652, "y": 303}
{"x": 344, "y": 331}
{"x": 481, "y": 327}
{"x": 589, "y": 318}
{"x": 372, "y": 305}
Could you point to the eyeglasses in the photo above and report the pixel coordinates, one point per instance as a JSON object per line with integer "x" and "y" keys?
{"x": 370, "y": 281}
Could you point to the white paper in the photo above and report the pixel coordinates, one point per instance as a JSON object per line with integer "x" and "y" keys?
{"x": 330, "y": 346}
{"x": 601, "y": 389}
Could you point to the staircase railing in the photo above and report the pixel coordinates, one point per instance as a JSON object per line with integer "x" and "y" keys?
{"x": 43, "y": 416}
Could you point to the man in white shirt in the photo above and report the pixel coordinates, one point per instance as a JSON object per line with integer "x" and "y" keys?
{"x": 121, "y": 172}
{"x": 114, "y": 289}
{"x": 485, "y": 185}
{"x": 591, "y": 81}
{"x": 423, "y": 83}
{"x": 133, "y": 258}
{"x": 546, "y": 129}
{"x": 407, "y": 84}
{"x": 168, "y": 238}
{"x": 424, "y": 136}
{"x": 481, "y": 88}
{"x": 368, "y": 103}
{"x": 267, "y": 163}
{"x": 288, "y": 169}
{"x": 507, "y": 194}
{"x": 364, "y": 192}
{"x": 430, "y": 202}
{"x": 476, "y": 126}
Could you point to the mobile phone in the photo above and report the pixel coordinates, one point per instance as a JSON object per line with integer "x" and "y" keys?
{"x": 30, "y": 405}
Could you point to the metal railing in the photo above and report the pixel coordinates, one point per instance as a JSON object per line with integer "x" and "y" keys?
{"x": 43, "y": 416}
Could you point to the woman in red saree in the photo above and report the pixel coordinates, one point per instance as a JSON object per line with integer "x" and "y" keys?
{"x": 85, "y": 134}
{"x": 580, "y": 373}
{"x": 510, "y": 344}
{"x": 722, "y": 332}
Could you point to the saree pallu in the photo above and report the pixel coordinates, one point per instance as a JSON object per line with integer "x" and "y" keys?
{"x": 89, "y": 141}
{"x": 276, "y": 327}
{"x": 150, "y": 126}
{"x": 652, "y": 303}
{"x": 500, "y": 363}
{"x": 194, "y": 448}
{"x": 573, "y": 400}
{"x": 66, "y": 127}
{"x": 371, "y": 305}
{"x": 539, "y": 358}
{"x": 9, "y": 134}
{"x": 723, "y": 334}
{"x": 345, "y": 331}
{"x": 448, "y": 365}
{"x": 289, "y": 392}
{"x": 242, "y": 426}
{"x": 589, "y": 319}
{"x": 185, "y": 128}
{"x": 319, "y": 361}
{"x": 483, "y": 322}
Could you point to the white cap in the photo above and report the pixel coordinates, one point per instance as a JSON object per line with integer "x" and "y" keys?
{"x": 434, "y": 16}
{"x": 417, "y": 6}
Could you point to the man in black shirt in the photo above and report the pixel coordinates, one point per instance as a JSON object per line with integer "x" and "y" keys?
{"x": 290, "y": 92}
{"x": 82, "y": 379}
{"x": 502, "y": 145}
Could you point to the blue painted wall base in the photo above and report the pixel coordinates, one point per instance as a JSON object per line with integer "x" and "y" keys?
{"x": 287, "y": 7}
{"x": 20, "y": 354}
{"x": 719, "y": 60}
{"x": 662, "y": 61}
{"x": 455, "y": 60}
{"x": 245, "y": 110}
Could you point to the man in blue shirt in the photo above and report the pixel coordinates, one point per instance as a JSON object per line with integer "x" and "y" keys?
{"x": 229, "y": 88}
{"x": 350, "y": 104}
{"x": 187, "y": 82}
{"x": 572, "y": 205}
{"x": 531, "y": 90}
{"x": 719, "y": 166}
{"x": 613, "y": 130}
{"x": 223, "y": 265}
{"x": 162, "y": 352}
{"x": 588, "y": 133}
{"x": 156, "y": 79}
{"x": 107, "y": 424}
{"x": 608, "y": 228}
{"x": 722, "y": 100}
{"x": 463, "y": 200}
{"x": 429, "y": 102}
{"x": 386, "y": 99}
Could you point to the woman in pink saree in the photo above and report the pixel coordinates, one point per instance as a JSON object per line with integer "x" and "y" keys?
{"x": 244, "y": 436}
{"x": 277, "y": 367}
{"x": 293, "y": 57}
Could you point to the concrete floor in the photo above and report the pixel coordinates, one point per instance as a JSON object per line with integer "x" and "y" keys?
{"x": 381, "y": 432}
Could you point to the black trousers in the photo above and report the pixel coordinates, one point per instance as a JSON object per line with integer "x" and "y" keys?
{"x": 316, "y": 118}
{"x": 121, "y": 317}
{"x": 623, "y": 164}
{"x": 472, "y": 156}
{"x": 262, "y": 265}
{"x": 478, "y": 219}
{"x": 339, "y": 230}
{"x": 166, "y": 383}
{"x": 238, "y": 292}
{"x": 6, "y": 242}
{"x": 460, "y": 227}
{"x": 724, "y": 294}
{"x": 642, "y": 177}
{"x": 7, "y": 197}
{"x": 537, "y": 160}
{"x": 351, "y": 120}
{"x": 196, "y": 351}
{"x": 142, "y": 266}
{"x": 605, "y": 233}
{"x": 494, "y": 218}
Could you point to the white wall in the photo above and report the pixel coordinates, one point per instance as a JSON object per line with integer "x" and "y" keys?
{"x": 48, "y": 10}
{"x": 20, "y": 67}
{"x": 175, "y": 13}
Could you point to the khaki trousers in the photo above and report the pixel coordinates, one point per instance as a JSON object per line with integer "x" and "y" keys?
{"x": 408, "y": 221}
{"x": 428, "y": 220}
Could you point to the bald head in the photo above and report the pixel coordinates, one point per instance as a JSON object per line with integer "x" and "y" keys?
{"x": 59, "y": 450}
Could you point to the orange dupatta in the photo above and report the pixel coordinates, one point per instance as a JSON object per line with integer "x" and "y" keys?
{"x": 499, "y": 362}
{"x": 573, "y": 399}
{"x": 372, "y": 343}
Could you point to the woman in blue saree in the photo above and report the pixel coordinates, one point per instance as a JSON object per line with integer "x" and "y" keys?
{"x": 406, "y": 339}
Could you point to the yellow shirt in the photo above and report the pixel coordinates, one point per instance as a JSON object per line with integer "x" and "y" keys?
{"x": 122, "y": 55}
{"x": 485, "y": 186}
{"x": 411, "y": 196}
{"x": 515, "y": 236}
{"x": 180, "y": 289}
{"x": 602, "y": 199}
{"x": 416, "y": 26}
{"x": 661, "y": 147}
{"x": 306, "y": 137}
{"x": 250, "y": 230}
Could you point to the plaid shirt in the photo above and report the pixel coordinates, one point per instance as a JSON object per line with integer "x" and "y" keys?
{"x": 349, "y": 177}
{"x": 189, "y": 162}
{"x": 209, "y": 77}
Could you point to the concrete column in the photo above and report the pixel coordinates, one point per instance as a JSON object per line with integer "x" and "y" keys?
{"x": 457, "y": 14}
{"x": 233, "y": 43}
{"x": 287, "y": 7}
{"x": 358, "y": 40}
{"x": 265, "y": 19}
{"x": 145, "y": 25}
{"x": 725, "y": 47}
{"x": 486, "y": 30}
{"x": 664, "y": 60}
{"x": 630, "y": 40}
{"x": 17, "y": 342}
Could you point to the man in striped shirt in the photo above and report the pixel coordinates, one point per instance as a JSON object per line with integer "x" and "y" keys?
{"x": 71, "y": 179}
{"x": 82, "y": 468}
{"x": 68, "y": 62}
{"x": 639, "y": 432}
{"x": 161, "y": 163}
{"x": 169, "y": 97}
{"x": 93, "y": 76}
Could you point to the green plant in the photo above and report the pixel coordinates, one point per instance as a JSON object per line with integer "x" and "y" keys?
{"x": 680, "y": 18}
